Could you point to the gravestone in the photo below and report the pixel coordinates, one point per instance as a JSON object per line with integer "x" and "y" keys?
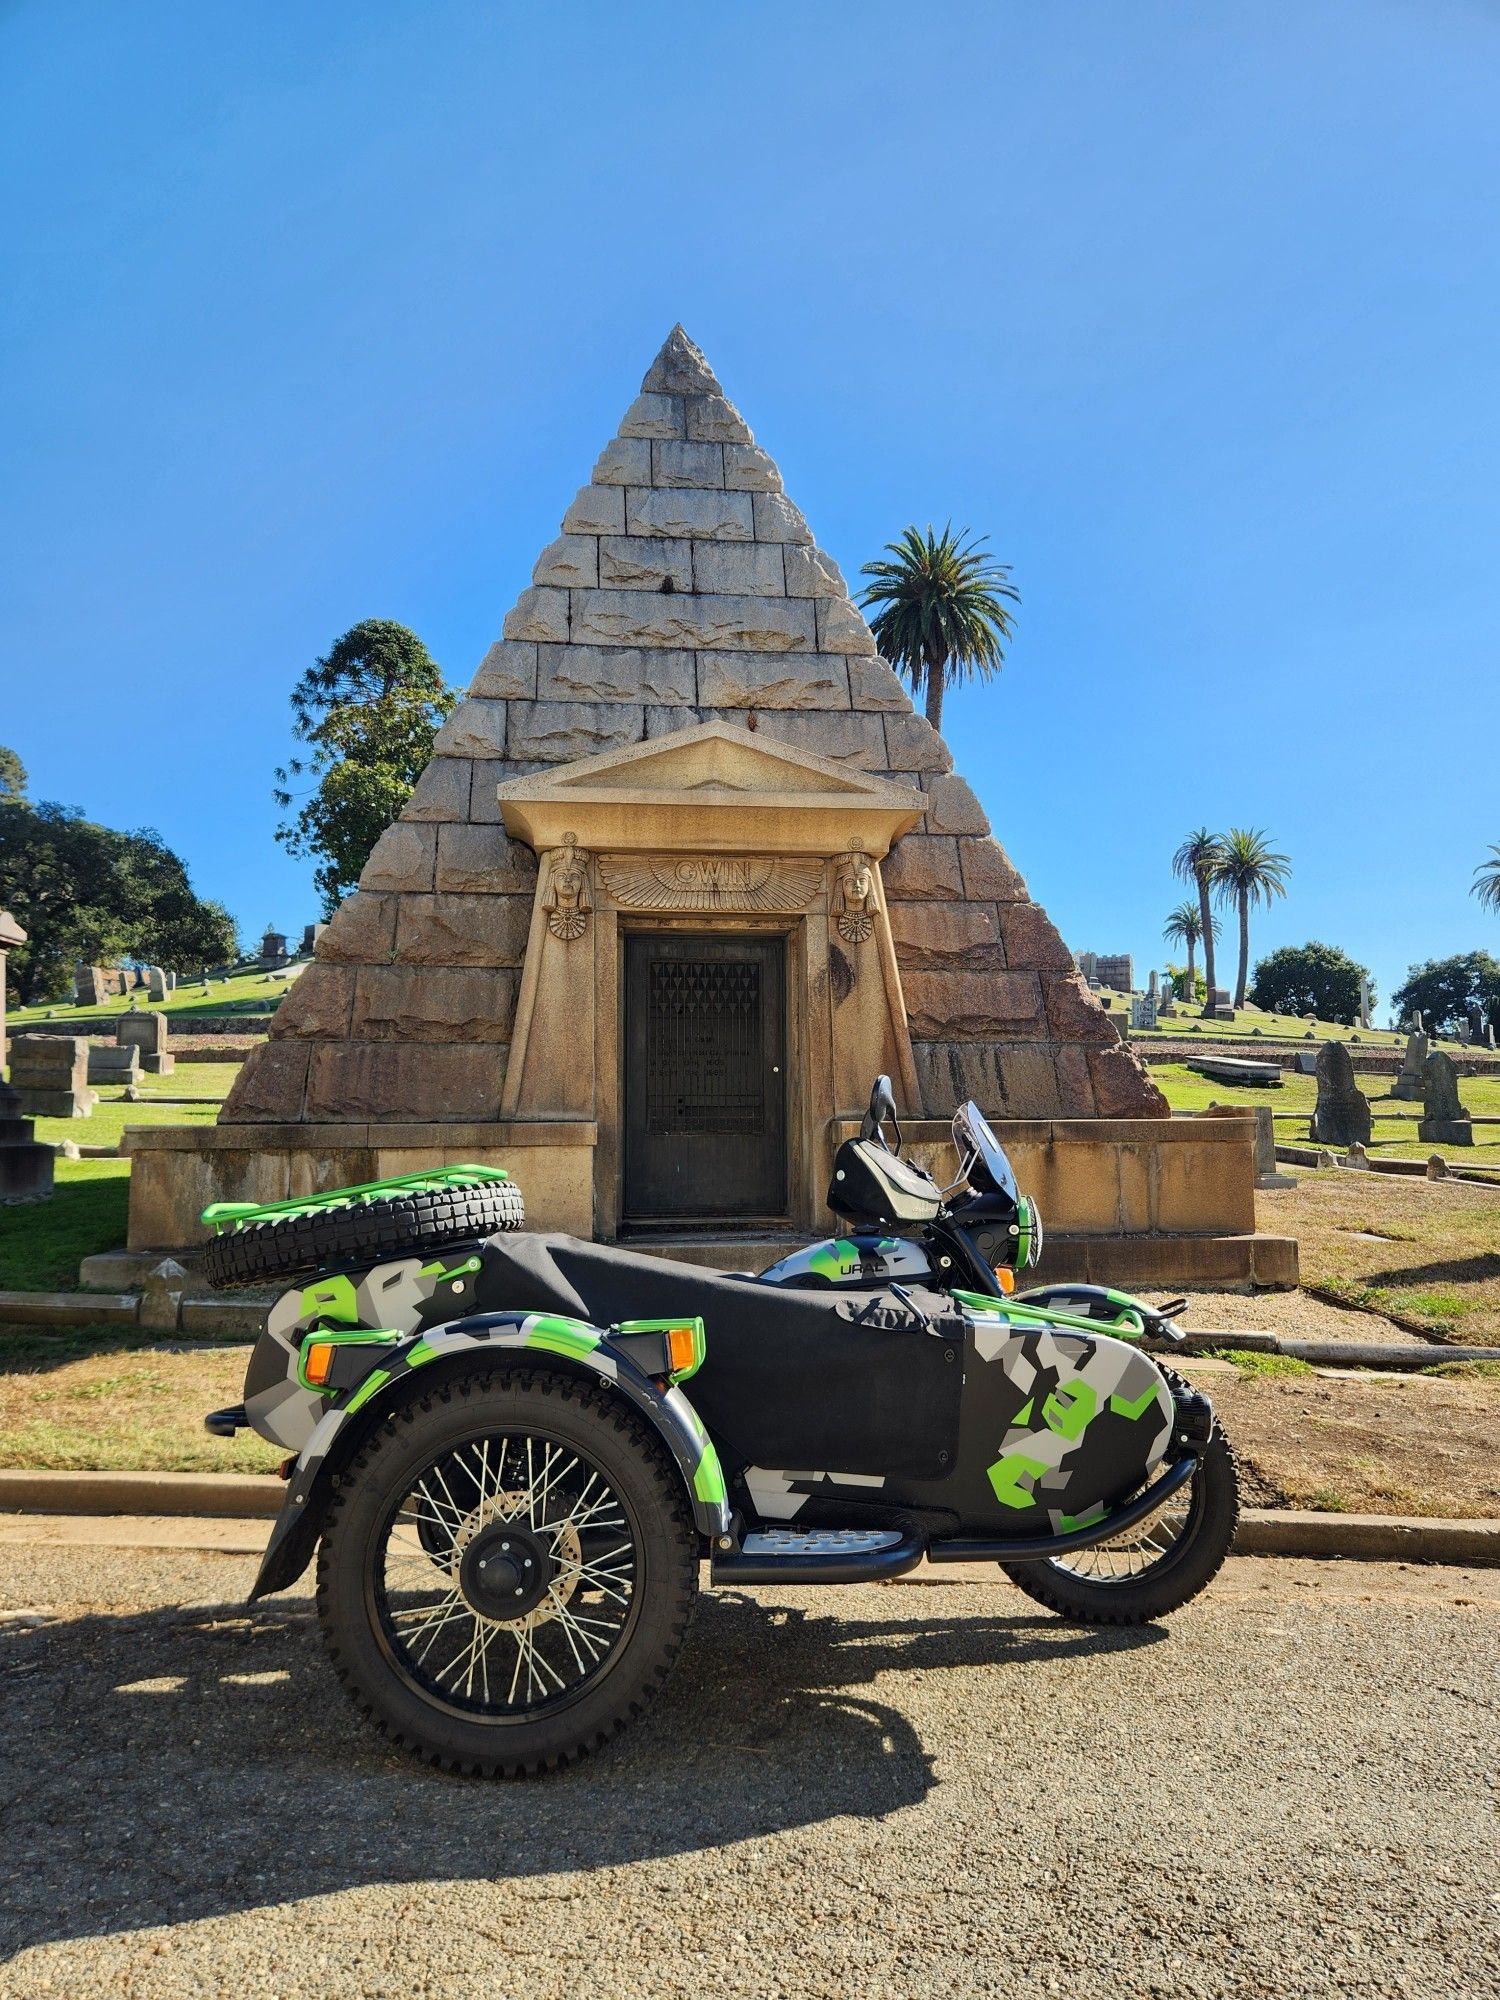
{"x": 171, "y": 982}
{"x": 114, "y": 1064}
{"x": 1143, "y": 1009}
{"x": 25, "y": 1163}
{"x": 273, "y": 951}
{"x": 1366, "y": 1004}
{"x": 1218, "y": 1006}
{"x": 148, "y": 1033}
{"x": 1489, "y": 1036}
{"x": 1341, "y": 1116}
{"x": 1305, "y": 1062}
{"x": 51, "y": 1075}
{"x": 1408, "y": 1085}
{"x": 1166, "y": 1005}
{"x": 1444, "y": 1121}
{"x": 1465, "y": 1034}
{"x": 156, "y": 983}
{"x": 310, "y": 935}
{"x": 1357, "y": 1157}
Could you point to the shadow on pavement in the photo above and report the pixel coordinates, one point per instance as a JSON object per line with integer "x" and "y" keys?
{"x": 198, "y": 1761}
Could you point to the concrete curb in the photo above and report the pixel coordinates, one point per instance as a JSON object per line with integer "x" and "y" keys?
{"x": 1264, "y": 1531}
{"x": 1276, "y": 1531}
{"x": 235, "y": 1494}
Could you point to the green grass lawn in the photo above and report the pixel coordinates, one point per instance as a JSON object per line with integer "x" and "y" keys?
{"x": 1395, "y": 1123}
{"x": 43, "y": 1242}
{"x": 249, "y": 992}
{"x": 112, "y": 1114}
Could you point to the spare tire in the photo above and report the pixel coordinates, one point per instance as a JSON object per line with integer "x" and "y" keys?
{"x": 365, "y": 1230}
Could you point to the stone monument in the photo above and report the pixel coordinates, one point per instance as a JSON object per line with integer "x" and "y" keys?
{"x": 1366, "y": 1004}
{"x": 1408, "y": 1084}
{"x": 156, "y": 983}
{"x": 1218, "y": 1006}
{"x": 1444, "y": 1121}
{"x": 25, "y": 1163}
{"x": 114, "y": 1063}
{"x": 1341, "y": 1116}
{"x": 148, "y": 1033}
{"x": 51, "y": 1073}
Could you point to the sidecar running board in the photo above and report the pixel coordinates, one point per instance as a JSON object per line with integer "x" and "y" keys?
{"x": 1039, "y": 1547}
{"x": 822, "y": 1555}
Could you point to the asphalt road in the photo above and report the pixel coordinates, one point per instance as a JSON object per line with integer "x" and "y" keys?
{"x": 908, "y": 1790}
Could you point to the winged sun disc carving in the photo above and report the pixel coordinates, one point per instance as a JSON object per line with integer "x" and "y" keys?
{"x": 710, "y": 881}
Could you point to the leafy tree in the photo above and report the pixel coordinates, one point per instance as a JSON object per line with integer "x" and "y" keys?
{"x": 369, "y": 712}
{"x": 1249, "y": 871}
{"x": 1182, "y": 987}
{"x": 1487, "y": 882}
{"x": 1310, "y": 979}
{"x": 82, "y": 891}
{"x": 12, "y": 775}
{"x": 1195, "y": 862}
{"x": 1442, "y": 989}
{"x": 943, "y": 610}
{"x": 1185, "y": 926}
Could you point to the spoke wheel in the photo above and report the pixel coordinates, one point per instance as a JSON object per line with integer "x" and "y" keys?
{"x": 508, "y": 1570}
{"x": 507, "y": 1574}
{"x": 1136, "y": 1553}
{"x": 1155, "y": 1567}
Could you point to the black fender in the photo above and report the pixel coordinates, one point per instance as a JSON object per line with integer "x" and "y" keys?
{"x": 572, "y": 1345}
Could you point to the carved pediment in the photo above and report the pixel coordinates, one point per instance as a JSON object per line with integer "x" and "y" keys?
{"x": 712, "y": 787}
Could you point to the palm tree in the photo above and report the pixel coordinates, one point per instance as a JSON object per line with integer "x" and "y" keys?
{"x": 1195, "y": 862}
{"x": 1487, "y": 882}
{"x": 943, "y": 610}
{"x": 1249, "y": 871}
{"x": 1185, "y": 927}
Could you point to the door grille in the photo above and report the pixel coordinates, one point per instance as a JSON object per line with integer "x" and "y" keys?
{"x": 705, "y": 1053}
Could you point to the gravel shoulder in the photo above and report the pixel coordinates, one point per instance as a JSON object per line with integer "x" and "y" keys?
{"x": 899, "y": 1790}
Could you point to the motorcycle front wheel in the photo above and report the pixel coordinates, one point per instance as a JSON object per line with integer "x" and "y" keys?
{"x": 1155, "y": 1567}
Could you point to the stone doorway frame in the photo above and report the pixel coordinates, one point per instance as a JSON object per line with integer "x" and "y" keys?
{"x": 611, "y": 1039}
{"x": 712, "y": 829}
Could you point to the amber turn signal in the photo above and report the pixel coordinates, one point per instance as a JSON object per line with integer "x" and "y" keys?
{"x": 317, "y": 1362}
{"x": 682, "y": 1348}
{"x": 1007, "y": 1279}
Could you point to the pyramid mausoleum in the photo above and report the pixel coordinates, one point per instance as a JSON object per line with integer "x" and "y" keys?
{"x": 685, "y": 871}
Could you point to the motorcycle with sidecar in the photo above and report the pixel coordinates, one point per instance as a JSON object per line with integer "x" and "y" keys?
{"x": 512, "y": 1451}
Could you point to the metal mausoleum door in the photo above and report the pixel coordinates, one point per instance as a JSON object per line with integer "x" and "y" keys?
{"x": 705, "y": 1078}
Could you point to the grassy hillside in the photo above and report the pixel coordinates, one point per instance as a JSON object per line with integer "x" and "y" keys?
{"x": 247, "y": 992}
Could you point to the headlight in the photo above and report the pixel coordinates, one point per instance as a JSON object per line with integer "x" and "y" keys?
{"x": 1028, "y": 1234}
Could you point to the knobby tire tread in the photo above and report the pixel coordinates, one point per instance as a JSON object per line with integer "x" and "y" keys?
{"x": 363, "y": 1233}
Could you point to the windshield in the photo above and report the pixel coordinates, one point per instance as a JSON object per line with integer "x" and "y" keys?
{"x": 977, "y": 1144}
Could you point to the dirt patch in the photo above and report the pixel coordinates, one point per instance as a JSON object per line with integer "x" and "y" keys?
{"x": 1365, "y": 1445}
{"x": 1427, "y": 1253}
{"x": 99, "y": 1403}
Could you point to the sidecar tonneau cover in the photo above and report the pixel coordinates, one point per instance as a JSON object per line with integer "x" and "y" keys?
{"x": 792, "y": 1379}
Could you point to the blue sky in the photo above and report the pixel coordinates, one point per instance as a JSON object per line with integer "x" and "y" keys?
{"x": 315, "y": 314}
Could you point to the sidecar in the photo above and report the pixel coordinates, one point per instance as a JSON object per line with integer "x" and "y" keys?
{"x": 512, "y": 1452}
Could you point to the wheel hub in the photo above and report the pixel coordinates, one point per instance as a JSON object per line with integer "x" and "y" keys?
{"x": 505, "y": 1571}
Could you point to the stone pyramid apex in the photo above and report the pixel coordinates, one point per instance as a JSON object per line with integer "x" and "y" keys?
{"x": 680, "y": 369}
